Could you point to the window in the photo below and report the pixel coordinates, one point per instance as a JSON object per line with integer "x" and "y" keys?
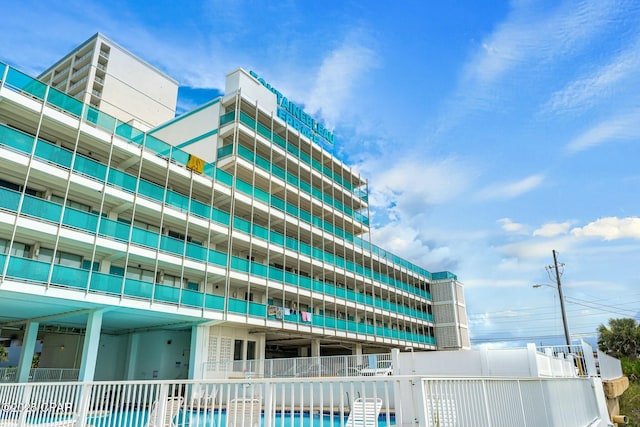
{"x": 61, "y": 258}
{"x": 251, "y": 350}
{"x": 174, "y": 281}
{"x": 141, "y": 274}
{"x": 237, "y": 350}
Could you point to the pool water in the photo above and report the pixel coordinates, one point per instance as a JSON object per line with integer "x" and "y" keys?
{"x": 219, "y": 418}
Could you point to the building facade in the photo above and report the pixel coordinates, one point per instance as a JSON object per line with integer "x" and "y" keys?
{"x": 226, "y": 233}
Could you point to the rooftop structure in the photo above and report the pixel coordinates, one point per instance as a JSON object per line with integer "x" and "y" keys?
{"x": 226, "y": 234}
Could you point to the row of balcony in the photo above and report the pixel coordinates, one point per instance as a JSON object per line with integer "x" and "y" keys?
{"x": 92, "y": 281}
{"x": 21, "y": 82}
{"x": 299, "y": 183}
{"x": 93, "y": 169}
{"x": 124, "y": 232}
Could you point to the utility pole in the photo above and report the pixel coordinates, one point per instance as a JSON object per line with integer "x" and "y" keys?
{"x": 564, "y": 314}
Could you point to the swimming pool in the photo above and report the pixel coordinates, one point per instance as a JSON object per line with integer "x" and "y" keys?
{"x": 207, "y": 418}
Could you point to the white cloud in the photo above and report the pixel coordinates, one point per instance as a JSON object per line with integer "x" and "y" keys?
{"x": 621, "y": 128}
{"x": 336, "y": 79}
{"x": 510, "y": 190}
{"x": 536, "y": 249}
{"x": 529, "y": 37}
{"x": 553, "y": 229}
{"x": 512, "y": 227}
{"x": 581, "y": 93}
{"x": 610, "y": 228}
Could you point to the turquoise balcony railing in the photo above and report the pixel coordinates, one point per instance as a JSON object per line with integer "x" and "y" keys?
{"x": 94, "y": 169}
{"x": 23, "y": 83}
{"x": 92, "y": 281}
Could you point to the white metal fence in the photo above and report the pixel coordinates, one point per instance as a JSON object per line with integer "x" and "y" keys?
{"x": 295, "y": 402}
{"x": 509, "y": 402}
{"x": 40, "y": 374}
{"x": 609, "y": 368}
{"x": 303, "y": 367}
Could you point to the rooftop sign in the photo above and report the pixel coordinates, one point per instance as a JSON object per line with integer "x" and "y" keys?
{"x": 297, "y": 118}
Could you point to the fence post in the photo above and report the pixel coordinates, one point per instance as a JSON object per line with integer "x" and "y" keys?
{"x": 86, "y": 390}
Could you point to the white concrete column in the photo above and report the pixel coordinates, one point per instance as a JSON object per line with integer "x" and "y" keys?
{"x": 356, "y": 350}
{"x": 315, "y": 348}
{"x": 198, "y": 352}
{"x": 90, "y": 346}
{"x": 132, "y": 356}
{"x": 28, "y": 348}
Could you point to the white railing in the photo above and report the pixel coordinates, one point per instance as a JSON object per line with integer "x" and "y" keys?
{"x": 40, "y": 374}
{"x": 510, "y": 402}
{"x": 303, "y": 367}
{"x": 284, "y": 402}
{"x": 609, "y": 367}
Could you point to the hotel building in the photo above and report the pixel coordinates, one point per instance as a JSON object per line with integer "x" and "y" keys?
{"x": 139, "y": 245}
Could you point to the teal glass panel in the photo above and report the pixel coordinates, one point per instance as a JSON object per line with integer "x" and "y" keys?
{"x": 177, "y": 200}
{"x": 244, "y": 187}
{"x": 329, "y": 289}
{"x": 237, "y": 306}
{"x": 115, "y": 229}
{"x": 224, "y": 177}
{"x": 241, "y": 224}
{"x": 192, "y": 298}
{"x": 259, "y": 269}
{"x": 249, "y": 121}
{"x": 53, "y": 153}
{"x": 240, "y": 264}
{"x": 166, "y": 294}
{"x": 65, "y": 102}
{"x": 277, "y": 203}
{"x": 291, "y": 243}
{"x": 258, "y": 310}
{"x": 3, "y": 258}
{"x": 260, "y": 232}
{"x": 195, "y": 251}
{"x": 156, "y": 145}
{"x": 80, "y": 219}
{"x": 137, "y": 288}
{"x": 122, "y": 180}
{"x": 128, "y": 132}
{"x": 200, "y": 209}
{"x": 100, "y": 119}
{"x": 276, "y": 274}
{"x": 20, "y": 81}
{"x": 220, "y": 216}
{"x": 69, "y": 276}
{"x": 225, "y": 151}
{"x": 277, "y": 238}
{"x": 341, "y": 292}
{"x": 9, "y": 199}
{"x": 169, "y": 244}
{"x": 227, "y": 118}
{"x": 179, "y": 156}
{"x": 145, "y": 238}
{"x": 280, "y": 141}
{"x": 29, "y": 269}
{"x": 2, "y": 68}
{"x": 317, "y": 320}
{"x": 151, "y": 190}
{"x": 41, "y": 208}
{"x": 291, "y": 278}
{"x": 352, "y": 326}
{"x": 305, "y": 282}
{"x": 318, "y": 285}
{"x": 90, "y": 167}
{"x": 15, "y": 139}
{"x": 330, "y": 322}
{"x": 214, "y": 302}
{"x": 218, "y": 258}
{"x": 261, "y": 195}
{"x": 209, "y": 170}
{"x": 304, "y": 248}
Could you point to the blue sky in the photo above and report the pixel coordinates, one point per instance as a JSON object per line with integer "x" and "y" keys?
{"x": 491, "y": 132}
